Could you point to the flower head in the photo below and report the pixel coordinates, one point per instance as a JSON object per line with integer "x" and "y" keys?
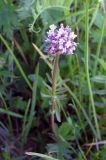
{"x": 61, "y": 40}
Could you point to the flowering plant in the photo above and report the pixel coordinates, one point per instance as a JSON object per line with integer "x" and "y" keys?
{"x": 60, "y": 41}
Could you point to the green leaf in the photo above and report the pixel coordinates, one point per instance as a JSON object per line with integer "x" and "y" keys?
{"x": 103, "y": 63}
{"x": 100, "y": 92}
{"x": 64, "y": 129}
{"x": 99, "y": 79}
{"x": 41, "y": 155}
{"x": 19, "y": 103}
{"x": 8, "y": 20}
{"x": 10, "y": 113}
{"x": 98, "y": 20}
{"x": 36, "y": 8}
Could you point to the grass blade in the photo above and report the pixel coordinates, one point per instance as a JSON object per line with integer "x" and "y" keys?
{"x": 41, "y": 156}
{"x": 16, "y": 61}
{"x": 33, "y": 104}
{"x": 25, "y": 120}
{"x": 10, "y": 113}
{"x": 87, "y": 70}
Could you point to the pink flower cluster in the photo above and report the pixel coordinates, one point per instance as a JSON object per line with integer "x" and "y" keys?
{"x": 61, "y": 40}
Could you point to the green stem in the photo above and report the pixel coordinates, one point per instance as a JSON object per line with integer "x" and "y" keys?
{"x": 87, "y": 70}
{"x": 55, "y": 74}
{"x": 54, "y": 81}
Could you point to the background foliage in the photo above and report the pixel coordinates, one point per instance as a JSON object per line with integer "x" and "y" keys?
{"x": 24, "y": 112}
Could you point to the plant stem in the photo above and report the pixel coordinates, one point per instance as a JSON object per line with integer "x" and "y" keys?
{"x": 54, "y": 81}
{"x": 87, "y": 71}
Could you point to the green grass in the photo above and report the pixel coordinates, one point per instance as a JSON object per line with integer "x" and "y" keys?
{"x": 16, "y": 61}
{"x": 32, "y": 109}
{"x": 25, "y": 129}
{"x": 87, "y": 69}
